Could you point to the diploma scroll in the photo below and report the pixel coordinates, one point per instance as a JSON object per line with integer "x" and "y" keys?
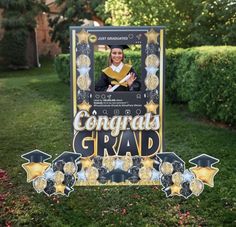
{"x": 120, "y": 82}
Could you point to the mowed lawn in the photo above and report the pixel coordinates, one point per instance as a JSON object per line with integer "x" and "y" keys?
{"x": 35, "y": 112}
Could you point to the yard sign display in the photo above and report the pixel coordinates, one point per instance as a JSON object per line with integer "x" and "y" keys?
{"x": 118, "y": 134}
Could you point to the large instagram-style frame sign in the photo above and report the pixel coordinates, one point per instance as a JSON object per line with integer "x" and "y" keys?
{"x": 117, "y": 112}
{"x": 118, "y": 133}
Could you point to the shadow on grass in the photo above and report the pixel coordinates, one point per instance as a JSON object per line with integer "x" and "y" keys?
{"x": 52, "y": 90}
{"x": 46, "y": 67}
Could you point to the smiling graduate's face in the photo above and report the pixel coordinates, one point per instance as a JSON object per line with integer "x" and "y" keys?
{"x": 117, "y": 56}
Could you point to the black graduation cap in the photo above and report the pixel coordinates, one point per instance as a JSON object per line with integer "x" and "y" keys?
{"x": 67, "y": 156}
{"x": 122, "y": 47}
{"x": 170, "y": 157}
{"x": 36, "y": 156}
{"x": 118, "y": 175}
{"x": 204, "y": 160}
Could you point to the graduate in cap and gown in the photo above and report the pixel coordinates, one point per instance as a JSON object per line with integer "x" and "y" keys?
{"x": 116, "y": 72}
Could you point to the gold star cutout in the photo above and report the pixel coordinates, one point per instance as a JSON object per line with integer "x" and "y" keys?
{"x": 86, "y": 163}
{"x": 205, "y": 174}
{"x": 35, "y": 169}
{"x": 60, "y": 188}
{"x": 83, "y": 36}
{"x": 152, "y": 36}
{"x": 175, "y": 189}
{"x": 84, "y": 106}
{"x": 151, "y": 107}
{"x": 147, "y": 162}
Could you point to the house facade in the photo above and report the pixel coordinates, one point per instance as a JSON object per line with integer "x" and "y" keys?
{"x": 40, "y": 44}
{"x": 45, "y": 47}
{"x": 44, "y": 44}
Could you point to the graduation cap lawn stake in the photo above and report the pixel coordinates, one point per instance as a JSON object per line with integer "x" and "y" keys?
{"x": 203, "y": 169}
{"x": 36, "y": 165}
{"x": 65, "y": 166}
{"x": 171, "y": 158}
{"x": 67, "y": 156}
{"x": 174, "y": 178}
{"x": 172, "y": 168}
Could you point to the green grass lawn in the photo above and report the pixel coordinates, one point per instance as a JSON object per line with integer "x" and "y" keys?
{"x": 35, "y": 113}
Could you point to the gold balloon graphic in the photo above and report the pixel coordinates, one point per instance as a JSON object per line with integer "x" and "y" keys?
{"x": 83, "y": 61}
{"x": 91, "y": 174}
{"x": 128, "y": 162}
{"x": 152, "y": 61}
{"x": 59, "y": 177}
{"x": 151, "y": 82}
{"x": 40, "y": 184}
{"x": 69, "y": 168}
{"x": 196, "y": 186}
{"x": 177, "y": 178}
{"x": 84, "y": 82}
{"x": 145, "y": 173}
{"x": 166, "y": 168}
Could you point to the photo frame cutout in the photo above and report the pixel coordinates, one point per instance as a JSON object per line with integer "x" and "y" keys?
{"x": 117, "y": 155}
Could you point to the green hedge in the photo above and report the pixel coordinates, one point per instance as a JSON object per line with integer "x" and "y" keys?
{"x": 172, "y": 63}
{"x": 202, "y": 77}
{"x": 62, "y": 67}
{"x": 205, "y": 78}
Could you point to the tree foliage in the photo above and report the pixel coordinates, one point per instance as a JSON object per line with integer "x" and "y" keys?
{"x": 73, "y": 12}
{"x": 18, "y": 22}
{"x": 188, "y": 23}
{"x": 216, "y": 24}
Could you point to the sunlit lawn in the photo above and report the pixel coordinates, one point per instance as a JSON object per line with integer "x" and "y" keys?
{"x": 35, "y": 113}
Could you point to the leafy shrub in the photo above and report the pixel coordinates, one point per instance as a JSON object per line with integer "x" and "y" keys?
{"x": 13, "y": 47}
{"x": 214, "y": 83}
{"x": 18, "y": 19}
{"x": 62, "y": 66}
{"x": 206, "y": 79}
{"x": 101, "y": 61}
{"x": 173, "y": 57}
